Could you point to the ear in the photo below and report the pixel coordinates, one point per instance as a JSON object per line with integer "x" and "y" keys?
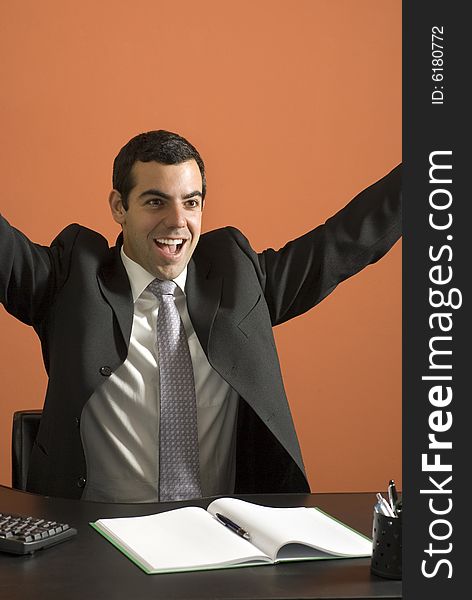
{"x": 118, "y": 211}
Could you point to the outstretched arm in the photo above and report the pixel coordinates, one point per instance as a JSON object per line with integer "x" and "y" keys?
{"x": 307, "y": 269}
{"x": 27, "y": 275}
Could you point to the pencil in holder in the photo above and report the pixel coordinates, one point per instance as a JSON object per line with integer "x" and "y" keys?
{"x": 387, "y": 546}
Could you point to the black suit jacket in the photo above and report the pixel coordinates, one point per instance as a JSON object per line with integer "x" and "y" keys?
{"x": 76, "y": 295}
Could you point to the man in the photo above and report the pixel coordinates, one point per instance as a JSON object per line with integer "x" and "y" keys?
{"x": 98, "y": 313}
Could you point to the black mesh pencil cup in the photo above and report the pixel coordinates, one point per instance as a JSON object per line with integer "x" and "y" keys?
{"x": 387, "y": 546}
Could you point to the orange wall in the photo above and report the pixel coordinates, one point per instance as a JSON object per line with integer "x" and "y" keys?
{"x": 295, "y": 108}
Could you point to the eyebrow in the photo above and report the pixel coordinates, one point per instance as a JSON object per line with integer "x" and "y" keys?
{"x": 156, "y": 192}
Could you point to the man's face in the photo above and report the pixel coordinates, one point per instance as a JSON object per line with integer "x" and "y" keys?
{"x": 163, "y": 222}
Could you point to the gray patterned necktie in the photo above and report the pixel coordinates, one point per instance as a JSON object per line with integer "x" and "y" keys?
{"x": 179, "y": 460}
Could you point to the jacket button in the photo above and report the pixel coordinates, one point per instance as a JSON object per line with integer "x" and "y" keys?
{"x": 105, "y": 371}
{"x": 81, "y": 481}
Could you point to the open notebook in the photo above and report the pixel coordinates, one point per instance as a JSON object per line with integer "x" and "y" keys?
{"x": 192, "y": 538}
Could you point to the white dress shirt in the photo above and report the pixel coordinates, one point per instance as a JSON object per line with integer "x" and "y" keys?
{"x": 120, "y": 422}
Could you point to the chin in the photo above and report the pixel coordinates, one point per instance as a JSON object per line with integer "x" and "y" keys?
{"x": 169, "y": 272}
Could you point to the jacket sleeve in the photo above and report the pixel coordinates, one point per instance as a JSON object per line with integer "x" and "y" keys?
{"x": 307, "y": 269}
{"x": 29, "y": 274}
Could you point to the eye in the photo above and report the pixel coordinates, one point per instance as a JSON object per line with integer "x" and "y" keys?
{"x": 193, "y": 203}
{"x": 155, "y": 202}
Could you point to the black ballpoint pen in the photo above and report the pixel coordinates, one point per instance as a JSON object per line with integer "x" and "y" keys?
{"x": 233, "y": 526}
{"x": 392, "y": 495}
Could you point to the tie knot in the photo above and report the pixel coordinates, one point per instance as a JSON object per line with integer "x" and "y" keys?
{"x": 161, "y": 287}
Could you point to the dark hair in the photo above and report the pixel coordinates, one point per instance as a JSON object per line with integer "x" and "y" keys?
{"x": 161, "y": 146}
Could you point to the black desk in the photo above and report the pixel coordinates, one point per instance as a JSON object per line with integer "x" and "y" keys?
{"x": 89, "y": 567}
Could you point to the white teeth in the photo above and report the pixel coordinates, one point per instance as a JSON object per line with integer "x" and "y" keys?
{"x": 170, "y": 242}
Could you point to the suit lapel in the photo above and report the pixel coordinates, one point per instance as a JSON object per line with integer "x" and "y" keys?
{"x": 114, "y": 284}
{"x": 203, "y": 291}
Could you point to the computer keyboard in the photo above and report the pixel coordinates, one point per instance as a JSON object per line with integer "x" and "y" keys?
{"x": 20, "y": 534}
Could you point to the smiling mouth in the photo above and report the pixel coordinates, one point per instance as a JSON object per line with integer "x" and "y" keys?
{"x": 169, "y": 246}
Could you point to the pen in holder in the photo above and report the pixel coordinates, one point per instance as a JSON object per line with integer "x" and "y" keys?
{"x": 387, "y": 546}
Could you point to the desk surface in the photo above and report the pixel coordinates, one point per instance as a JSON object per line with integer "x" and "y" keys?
{"x": 89, "y": 567}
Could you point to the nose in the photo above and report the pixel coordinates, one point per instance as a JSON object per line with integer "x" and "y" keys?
{"x": 175, "y": 217}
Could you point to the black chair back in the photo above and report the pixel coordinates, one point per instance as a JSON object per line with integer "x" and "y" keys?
{"x": 25, "y": 429}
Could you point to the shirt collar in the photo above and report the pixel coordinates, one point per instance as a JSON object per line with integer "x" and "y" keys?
{"x": 139, "y": 278}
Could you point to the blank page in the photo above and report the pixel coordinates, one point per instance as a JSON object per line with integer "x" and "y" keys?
{"x": 184, "y": 538}
{"x": 270, "y": 528}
